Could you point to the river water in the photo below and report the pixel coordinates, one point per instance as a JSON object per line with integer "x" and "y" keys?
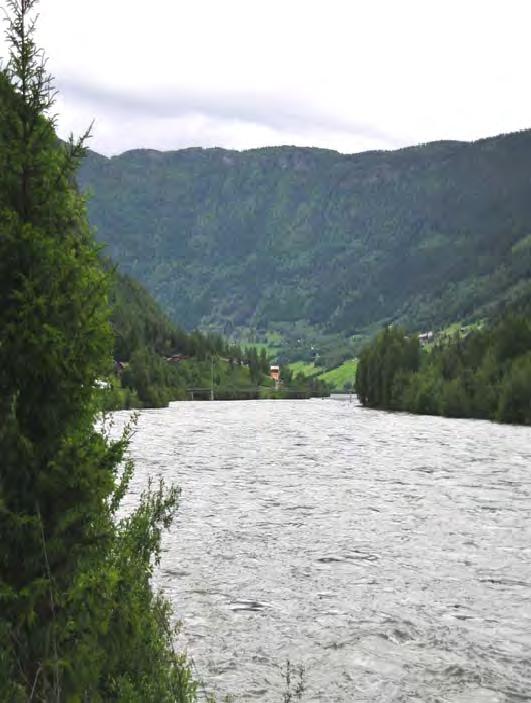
{"x": 388, "y": 554}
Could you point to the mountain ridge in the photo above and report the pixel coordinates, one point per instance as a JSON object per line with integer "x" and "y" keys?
{"x": 310, "y": 241}
{"x": 279, "y": 147}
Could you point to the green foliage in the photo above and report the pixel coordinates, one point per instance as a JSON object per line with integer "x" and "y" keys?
{"x": 145, "y": 338}
{"x": 78, "y": 618}
{"x": 267, "y": 238}
{"x": 514, "y": 405}
{"x": 486, "y": 374}
{"x": 138, "y": 322}
{"x": 384, "y": 367}
{"x": 153, "y": 379}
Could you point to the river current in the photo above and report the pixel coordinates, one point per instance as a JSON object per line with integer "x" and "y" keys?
{"x": 389, "y": 554}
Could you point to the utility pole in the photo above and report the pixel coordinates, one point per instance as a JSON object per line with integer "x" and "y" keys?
{"x": 211, "y": 377}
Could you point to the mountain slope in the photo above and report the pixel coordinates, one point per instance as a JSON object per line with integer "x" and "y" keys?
{"x": 264, "y": 238}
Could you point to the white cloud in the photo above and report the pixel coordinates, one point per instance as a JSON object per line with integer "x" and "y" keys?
{"x": 343, "y": 74}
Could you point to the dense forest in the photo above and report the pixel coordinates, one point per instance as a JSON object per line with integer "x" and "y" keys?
{"x": 314, "y": 244}
{"x": 484, "y": 374}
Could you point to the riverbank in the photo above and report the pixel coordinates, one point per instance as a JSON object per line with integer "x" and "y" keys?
{"x": 157, "y": 383}
{"x": 485, "y": 374}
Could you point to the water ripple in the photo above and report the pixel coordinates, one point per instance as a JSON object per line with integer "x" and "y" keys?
{"x": 390, "y": 554}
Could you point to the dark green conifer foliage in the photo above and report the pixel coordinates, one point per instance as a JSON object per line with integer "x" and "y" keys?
{"x": 78, "y": 618}
{"x": 485, "y": 374}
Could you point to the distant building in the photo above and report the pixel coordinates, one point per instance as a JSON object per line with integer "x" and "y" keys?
{"x": 274, "y": 373}
{"x": 177, "y": 358}
{"x": 426, "y": 338}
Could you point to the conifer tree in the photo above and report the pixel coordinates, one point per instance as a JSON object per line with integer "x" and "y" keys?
{"x": 78, "y": 618}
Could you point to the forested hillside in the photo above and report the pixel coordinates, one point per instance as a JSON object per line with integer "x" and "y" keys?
{"x": 139, "y": 322}
{"x": 338, "y": 244}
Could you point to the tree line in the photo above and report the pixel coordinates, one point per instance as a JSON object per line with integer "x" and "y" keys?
{"x": 144, "y": 337}
{"x": 138, "y": 322}
{"x": 483, "y": 374}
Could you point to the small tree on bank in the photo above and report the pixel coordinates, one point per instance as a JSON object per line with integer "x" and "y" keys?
{"x": 78, "y": 618}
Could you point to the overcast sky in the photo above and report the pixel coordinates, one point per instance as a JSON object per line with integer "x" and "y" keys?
{"x": 349, "y": 75}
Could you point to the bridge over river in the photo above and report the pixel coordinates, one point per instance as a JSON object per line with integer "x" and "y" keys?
{"x": 244, "y": 393}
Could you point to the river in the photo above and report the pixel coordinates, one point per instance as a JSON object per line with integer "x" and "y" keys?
{"x": 389, "y": 554}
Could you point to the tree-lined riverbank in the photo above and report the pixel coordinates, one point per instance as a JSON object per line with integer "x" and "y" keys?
{"x": 485, "y": 374}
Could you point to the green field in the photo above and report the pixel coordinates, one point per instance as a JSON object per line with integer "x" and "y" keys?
{"x": 336, "y": 378}
{"x": 305, "y": 367}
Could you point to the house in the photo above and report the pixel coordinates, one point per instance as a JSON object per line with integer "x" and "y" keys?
{"x": 274, "y": 373}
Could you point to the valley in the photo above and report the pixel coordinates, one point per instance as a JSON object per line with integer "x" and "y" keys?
{"x": 318, "y": 248}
